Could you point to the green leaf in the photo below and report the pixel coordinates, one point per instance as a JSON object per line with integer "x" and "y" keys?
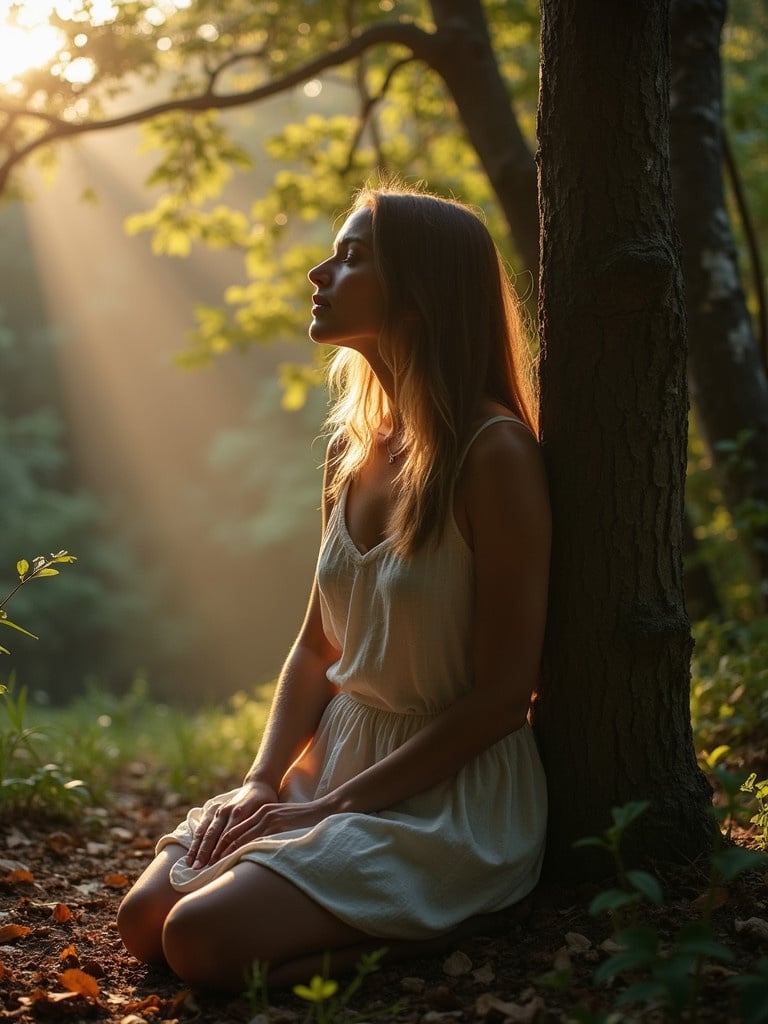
{"x": 698, "y": 939}
{"x": 647, "y": 885}
{"x": 612, "y": 899}
{"x": 591, "y": 841}
{"x": 717, "y": 755}
{"x": 13, "y": 625}
{"x": 22, "y": 567}
{"x": 642, "y": 992}
{"x": 624, "y": 816}
{"x": 46, "y": 572}
{"x": 627, "y": 960}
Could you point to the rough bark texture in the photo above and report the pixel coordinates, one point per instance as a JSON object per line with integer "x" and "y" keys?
{"x": 726, "y": 375}
{"x": 612, "y": 715}
{"x": 467, "y": 63}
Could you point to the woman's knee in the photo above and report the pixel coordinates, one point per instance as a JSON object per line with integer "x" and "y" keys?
{"x": 140, "y": 924}
{"x": 142, "y": 912}
{"x": 200, "y": 952}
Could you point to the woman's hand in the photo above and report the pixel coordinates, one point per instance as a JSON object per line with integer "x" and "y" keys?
{"x": 270, "y": 820}
{"x": 215, "y": 831}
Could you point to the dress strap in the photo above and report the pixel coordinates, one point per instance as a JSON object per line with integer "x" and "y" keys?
{"x": 484, "y": 426}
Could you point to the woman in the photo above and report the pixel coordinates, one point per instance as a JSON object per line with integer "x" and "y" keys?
{"x": 397, "y": 790}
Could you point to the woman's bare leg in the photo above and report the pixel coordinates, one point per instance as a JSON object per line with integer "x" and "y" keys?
{"x": 144, "y": 909}
{"x": 213, "y": 936}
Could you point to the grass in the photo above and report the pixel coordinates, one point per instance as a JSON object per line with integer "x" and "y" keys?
{"x": 55, "y": 761}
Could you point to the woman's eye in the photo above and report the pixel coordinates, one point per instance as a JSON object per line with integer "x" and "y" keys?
{"x": 349, "y": 256}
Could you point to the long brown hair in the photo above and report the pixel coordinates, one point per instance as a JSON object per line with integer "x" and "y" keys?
{"x": 453, "y": 336}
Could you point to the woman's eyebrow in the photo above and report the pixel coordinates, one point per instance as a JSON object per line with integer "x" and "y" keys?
{"x": 350, "y": 239}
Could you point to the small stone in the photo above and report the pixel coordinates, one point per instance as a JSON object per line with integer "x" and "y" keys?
{"x": 458, "y": 963}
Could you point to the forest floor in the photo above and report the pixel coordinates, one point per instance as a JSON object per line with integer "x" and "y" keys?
{"x": 61, "y": 957}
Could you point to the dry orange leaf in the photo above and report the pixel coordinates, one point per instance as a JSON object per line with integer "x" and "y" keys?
{"x": 78, "y": 981}
{"x": 116, "y": 881}
{"x": 21, "y": 876}
{"x": 70, "y": 951}
{"x": 9, "y": 932}
{"x": 61, "y": 913}
{"x": 150, "y": 1003}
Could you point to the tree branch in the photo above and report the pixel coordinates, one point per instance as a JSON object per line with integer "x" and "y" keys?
{"x": 422, "y": 44}
{"x": 367, "y": 108}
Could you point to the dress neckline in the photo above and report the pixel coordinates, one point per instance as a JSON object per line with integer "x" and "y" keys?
{"x": 372, "y": 553}
{"x": 361, "y": 556}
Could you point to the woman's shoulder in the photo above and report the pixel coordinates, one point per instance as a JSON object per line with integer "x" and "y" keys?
{"x": 504, "y": 453}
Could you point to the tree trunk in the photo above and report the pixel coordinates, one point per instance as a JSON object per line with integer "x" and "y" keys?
{"x": 726, "y": 374}
{"x": 467, "y": 63}
{"x": 612, "y": 715}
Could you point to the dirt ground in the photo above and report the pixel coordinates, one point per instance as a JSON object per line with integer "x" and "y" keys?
{"x": 61, "y": 957}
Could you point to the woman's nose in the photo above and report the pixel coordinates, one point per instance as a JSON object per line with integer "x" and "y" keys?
{"x": 319, "y": 274}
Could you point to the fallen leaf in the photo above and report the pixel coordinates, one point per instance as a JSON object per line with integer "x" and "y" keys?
{"x": 123, "y": 834}
{"x": 484, "y": 975}
{"x": 183, "y": 1000}
{"x": 16, "y": 838}
{"x": 152, "y": 1003}
{"x": 525, "y": 1013}
{"x": 577, "y": 943}
{"x": 561, "y": 961}
{"x": 458, "y": 963}
{"x": 61, "y": 913}
{"x": 412, "y": 984}
{"x": 442, "y": 998}
{"x": 60, "y": 842}
{"x": 9, "y": 932}
{"x": 75, "y": 980}
{"x": 116, "y": 881}
{"x": 755, "y": 927}
{"x": 68, "y": 953}
{"x": 19, "y": 876}
{"x": 610, "y": 946}
{"x": 711, "y": 900}
{"x": 96, "y": 849}
{"x": 12, "y": 865}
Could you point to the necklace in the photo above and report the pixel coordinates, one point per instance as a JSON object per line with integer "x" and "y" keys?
{"x": 390, "y": 454}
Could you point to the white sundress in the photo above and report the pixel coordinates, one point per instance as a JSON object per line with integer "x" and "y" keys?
{"x": 472, "y": 844}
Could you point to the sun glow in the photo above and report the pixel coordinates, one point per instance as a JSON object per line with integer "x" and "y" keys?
{"x": 28, "y": 40}
{"x": 26, "y": 44}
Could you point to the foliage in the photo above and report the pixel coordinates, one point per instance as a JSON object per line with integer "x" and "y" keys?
{"x": 725, "y": 538}
{"x": 29, "y": 783}
{"x": 101, "y": 735}
{"x": 40, "y": 568}
{"x": 729, "y": 682}
{"x": 668, "y": 975}
{"x": 745, "y": 74}
{"x": 326, "y": 1004}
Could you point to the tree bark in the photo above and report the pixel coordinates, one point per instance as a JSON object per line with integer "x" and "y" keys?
{"x": 726, "y": 373}
{"x": 466, "y": 61}
{"x": 612, "y": 715}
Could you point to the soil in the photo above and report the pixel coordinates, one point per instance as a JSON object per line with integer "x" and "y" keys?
{"x": 61, "y": 956}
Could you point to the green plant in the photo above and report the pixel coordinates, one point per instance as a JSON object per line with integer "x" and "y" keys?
{"x": 326, "y": 1004}
{"x": 729, "y": 681}
{"x": 40, "y": 567}
{"x": 666, "y": 975}
{"x": 760, "y": 793}
{"x": 28, "y": 781}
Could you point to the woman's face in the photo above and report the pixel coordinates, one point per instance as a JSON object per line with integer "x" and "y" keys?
{"x": 348, "y": 303}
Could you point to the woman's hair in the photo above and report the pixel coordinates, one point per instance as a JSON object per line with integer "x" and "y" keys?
{"x": 452, "y": 336}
